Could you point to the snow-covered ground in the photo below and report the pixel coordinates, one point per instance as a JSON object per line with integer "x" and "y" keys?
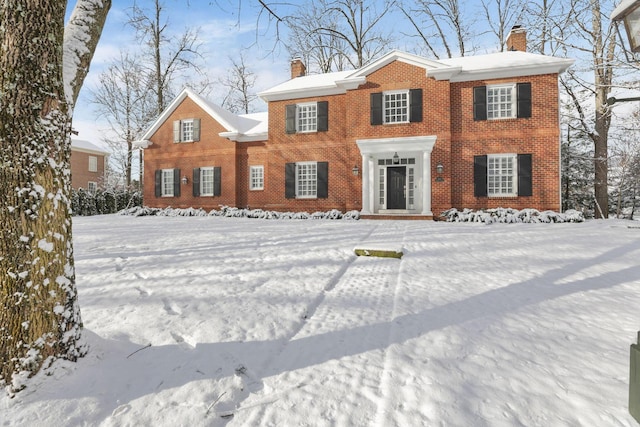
{"x": 212, "y": 321}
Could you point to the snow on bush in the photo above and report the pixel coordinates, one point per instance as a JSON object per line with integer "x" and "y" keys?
{"x": 509, "y": 216}
{"x": 232, "y": 212}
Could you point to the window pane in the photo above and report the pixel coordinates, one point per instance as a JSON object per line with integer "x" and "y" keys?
{"x": 187, "y": 130}
{"x": 307, "y": 117}
{"x": 306, "y": 180}
{"x": 206, "y": 181}
{"x": 501, "y": 175}
{"x": 396, "y": 107}
{"x": 500, "y": 102}
{"x": 257, "y": 177}
{"x": 167, "y": 182}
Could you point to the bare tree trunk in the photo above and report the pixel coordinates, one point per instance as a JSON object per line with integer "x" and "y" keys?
{"x": 39, "y": 312}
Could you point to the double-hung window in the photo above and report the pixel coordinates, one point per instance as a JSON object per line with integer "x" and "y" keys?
{"x": 502, "y": 175}
{"x": 167, "y": 182}
{"x": 256, "y": 178}
{"x": 306, "y": 180}
{"x": 501, "y": 102}
{"x": 186, "y": 130}
{"x": 396, "y": 106}
{"x": 206, "y": 181}
{"x": 307, "y": 117}
{"x": 93, "y": 164}
{"x": 92, "y": 187}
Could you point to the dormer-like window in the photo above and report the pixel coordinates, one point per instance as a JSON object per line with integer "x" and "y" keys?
{"x": 186, "y": 130}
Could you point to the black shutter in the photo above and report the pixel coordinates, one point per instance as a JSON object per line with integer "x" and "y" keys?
{"x": 322, "y": 180}
{"x": 415, "y": 105}
{"x": 290, "y": 118}
{"x": 217, "y": 181}
{"x": 176, "y": 131}
{"x": 290, "y": 180}
{"x": 176, "y": 183}
{"x": 323, "y": 116}
{"x": 158, "y": 182}
{"x": 376, "y": 108}
{"x": 196, "y": 129}
{"x": 480, "y": 103}
{"x": 480, "y": 176}
{"x": 196, "y": 182}
{"x": 525, "y": 184}
{"x": 524, "y": 100}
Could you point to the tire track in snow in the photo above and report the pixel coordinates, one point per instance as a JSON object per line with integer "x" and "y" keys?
{"x": 386, "y": 415}
{"x": 334, "y": 352}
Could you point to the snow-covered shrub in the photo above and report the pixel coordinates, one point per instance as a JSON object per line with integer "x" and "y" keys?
{"x": 510, "y": 216}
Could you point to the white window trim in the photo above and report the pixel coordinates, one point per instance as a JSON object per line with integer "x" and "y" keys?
{"x": 92, "y": 186}
{"x": 514, "y": 105}
{"x": 202, "y": 181}
{"x": 182, "y": 130}
{"x": 514, "y": 176}
{"x": 299, "y": 109}
{"x": 298, "y": 190}
{"x": 384, "y": 106}
{"x": 260, "y": 170}
{"x": 93, "y": 163}
{"x": 167, "y": 174}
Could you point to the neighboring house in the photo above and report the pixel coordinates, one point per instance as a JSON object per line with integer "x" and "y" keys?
{"x": 404, "y": 136}
{"x": 88, "y": 165}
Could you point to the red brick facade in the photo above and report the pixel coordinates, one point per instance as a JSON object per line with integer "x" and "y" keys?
{"x": 436, "y": 154}
{"x": 84, "y": 156}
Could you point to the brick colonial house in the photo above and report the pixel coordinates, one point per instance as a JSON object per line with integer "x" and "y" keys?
{"x": 404, "y": 136}
{"x": 88, "y": 165}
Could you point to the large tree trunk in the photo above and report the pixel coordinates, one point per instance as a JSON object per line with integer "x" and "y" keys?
{"x": 39, "y": 312}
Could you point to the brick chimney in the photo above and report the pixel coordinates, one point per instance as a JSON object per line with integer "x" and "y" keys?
{"x": 298, "y": 68}
{"x": 517, "y": 39}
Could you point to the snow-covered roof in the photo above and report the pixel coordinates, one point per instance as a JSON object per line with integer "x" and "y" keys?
{"x": 86, "y": 147}
{"x": 312, "y": 85}
{"x": 246, "y": 127}
{"x": 468, "y": 68}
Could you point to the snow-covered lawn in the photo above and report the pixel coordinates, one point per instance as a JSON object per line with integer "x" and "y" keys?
{"x": 277, "y": 323}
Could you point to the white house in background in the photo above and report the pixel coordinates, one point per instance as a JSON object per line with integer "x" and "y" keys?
{"x": 88, "y": 165}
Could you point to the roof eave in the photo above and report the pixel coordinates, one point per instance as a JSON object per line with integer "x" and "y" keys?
{"x": 510, "y": 72}
{"x": 143, "y": 143}
{"x": 240, "y": 137}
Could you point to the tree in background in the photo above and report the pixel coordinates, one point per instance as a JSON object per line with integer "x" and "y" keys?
{"x": 124, "y": 98}
{"x": 441, "y": 25}
{"x": 168, "y": 55}
{"x": 43, "y": 67}
{"x": 239, "y": 83}
{"x": 337, "y": 33}
{"x": 501, "y": 16}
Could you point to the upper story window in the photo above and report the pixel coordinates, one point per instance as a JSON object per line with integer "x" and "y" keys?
{"x": 186, "y": 130}
{"x": 398, "y": 106}
{"x": 256, "y": 177}
{"x": 502, "y": 101}
{"x": 307, "y": 117}
{"x": 93, "y": 164}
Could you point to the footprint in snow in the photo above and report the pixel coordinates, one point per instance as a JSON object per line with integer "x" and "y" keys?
{"x": 171, "y": 308}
